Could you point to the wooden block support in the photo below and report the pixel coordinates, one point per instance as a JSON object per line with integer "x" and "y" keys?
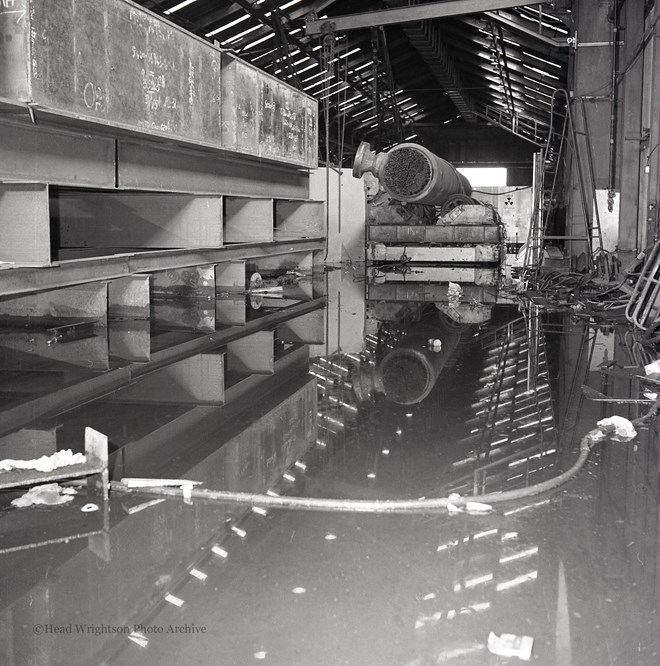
{"x": 299, "y": 219}
{"x": 308, "y": 329}
{"x": 248, "y": 220}
{"x": 25, "y": 224}
{"x": 137, "y": 220}
{"x": 461, "y": 274}
{"x": 253, "y": 354}
{"x": 473, "y": 254}
{"x": 406, "y": 233}
{"x": 197, "y": 380}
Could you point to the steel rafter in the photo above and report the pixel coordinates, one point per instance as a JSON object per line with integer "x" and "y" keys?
{"x": 431, "y": 10}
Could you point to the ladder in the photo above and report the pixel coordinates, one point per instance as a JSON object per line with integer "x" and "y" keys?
{"x": 546, "y": 172}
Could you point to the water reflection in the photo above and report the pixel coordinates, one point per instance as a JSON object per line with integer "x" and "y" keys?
{"x": 495, "y": 405}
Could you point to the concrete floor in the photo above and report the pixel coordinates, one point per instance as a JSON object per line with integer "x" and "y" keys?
{"x": 575, "y": 570}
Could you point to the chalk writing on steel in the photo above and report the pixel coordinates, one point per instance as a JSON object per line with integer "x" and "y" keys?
{"x": 151, "y": 25}
{"x": 10, "y": 7}
{"x": 192, "y": 92}
{"x": 152, "y": 58}
{"x": 36, "y": 73}
{"x": 94, "y": 97}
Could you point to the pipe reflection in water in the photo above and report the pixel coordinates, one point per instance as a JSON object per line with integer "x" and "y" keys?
{"x": 409, "y": 356}
{"x": 450, "y": 579}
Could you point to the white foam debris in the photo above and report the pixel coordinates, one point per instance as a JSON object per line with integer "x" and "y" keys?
{"x": 58, "y": 459}
{"x": 49, "y": 494}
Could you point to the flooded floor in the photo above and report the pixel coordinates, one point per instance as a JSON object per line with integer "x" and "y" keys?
{"x": 422, "y": 407}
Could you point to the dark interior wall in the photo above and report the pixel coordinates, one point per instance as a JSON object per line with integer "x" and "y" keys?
{"x": 468, "y": 145}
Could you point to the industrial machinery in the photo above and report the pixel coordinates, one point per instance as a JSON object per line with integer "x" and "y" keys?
{"x": 413, "y": 174}
{"x": 409, "y": 358}
{"x": 426, "y": 233}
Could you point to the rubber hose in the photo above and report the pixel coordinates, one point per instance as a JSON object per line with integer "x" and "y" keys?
{"x": 379, "y": 506}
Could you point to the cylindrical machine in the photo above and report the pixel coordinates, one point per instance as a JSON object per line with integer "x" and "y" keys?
{"x": 409, "y": 172}
{"x": 407, "y": 373}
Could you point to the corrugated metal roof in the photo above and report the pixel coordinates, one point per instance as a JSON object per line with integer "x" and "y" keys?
{"x": 498, "y": 66}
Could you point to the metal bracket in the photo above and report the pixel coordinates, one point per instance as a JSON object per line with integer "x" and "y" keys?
{"x": 574, "y": 43}
{"x": 643, "y": 138}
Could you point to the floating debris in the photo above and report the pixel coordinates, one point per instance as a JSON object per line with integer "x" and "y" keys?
{"x": 454, "y": 294}
{"x": 139, "y": 638}
{"x": 510, "y": 645}
{"x": 239, "y": 531}
{"x": 200, "y": 575}
{"x": 624, "y": 428}
{"x": 477, "y": 507}
{"x": 176, "y": 601}
{"x": 49, "y": 494}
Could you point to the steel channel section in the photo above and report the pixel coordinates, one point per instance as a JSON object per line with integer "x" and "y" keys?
{"x": 70, "y": 397}
{"x": 42, "y": 153}
{"x": 150, "y": 166}
{"x": 65, "y": 274}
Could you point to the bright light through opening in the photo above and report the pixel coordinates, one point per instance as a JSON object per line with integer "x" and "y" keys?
{"x": 484, "y": 176}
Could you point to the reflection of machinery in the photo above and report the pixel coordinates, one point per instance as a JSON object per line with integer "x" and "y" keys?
{"x": 408, "y": 360}
{"x": 411, "y": 173}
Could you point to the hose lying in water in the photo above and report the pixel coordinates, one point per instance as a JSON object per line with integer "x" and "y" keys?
{"x": 382, "y": 506}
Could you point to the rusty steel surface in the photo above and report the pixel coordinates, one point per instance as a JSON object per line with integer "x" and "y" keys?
{"x": 117, "y": 65}
{"x": 417, "y": 233}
